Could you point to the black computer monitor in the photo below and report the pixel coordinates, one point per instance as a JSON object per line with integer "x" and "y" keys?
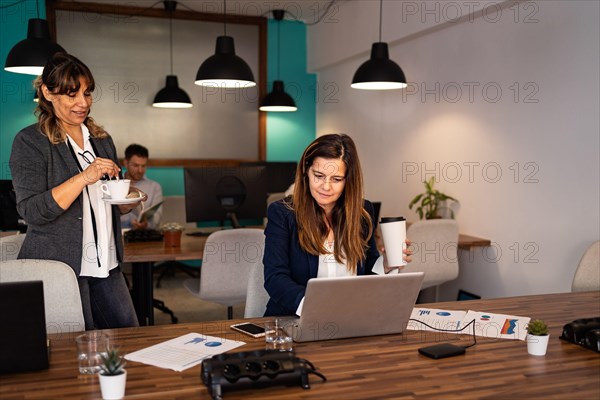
{"x": 280, "y": 174}
{"x": 10, "y": 220}
{"x": 221, "y": 193}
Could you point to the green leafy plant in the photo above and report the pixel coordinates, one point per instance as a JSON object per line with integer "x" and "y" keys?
{"x": 430, "y": 201}
{"x": 537, "y": 327}
{"x": 112, "y": 362}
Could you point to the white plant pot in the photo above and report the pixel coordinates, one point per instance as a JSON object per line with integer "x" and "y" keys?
{"x": 113, "y": 386}
{"x": 537, "y": 345}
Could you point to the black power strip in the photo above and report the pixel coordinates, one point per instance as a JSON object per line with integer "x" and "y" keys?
{"x": 584, "y": 332}
{"x": 255, "y": 369}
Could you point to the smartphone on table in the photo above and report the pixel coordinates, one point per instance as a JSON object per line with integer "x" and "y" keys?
{"x": 250, "y": 329}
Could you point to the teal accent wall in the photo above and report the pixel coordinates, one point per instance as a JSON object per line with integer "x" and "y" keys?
{"x": 287, "y": 133}
{"x": 16, "y": 90}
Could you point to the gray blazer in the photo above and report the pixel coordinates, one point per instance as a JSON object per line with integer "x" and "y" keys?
{"x": 37, "y": 166}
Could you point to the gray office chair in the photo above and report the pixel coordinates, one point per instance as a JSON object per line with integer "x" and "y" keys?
{"x": 256, "y": 294}
{"x": 10, "y": 246}
{"x": 435, "y": 246}
{"x": 227, "y": 260}
{"x": 587, "y": 276}
{"x": 61, "y": 291}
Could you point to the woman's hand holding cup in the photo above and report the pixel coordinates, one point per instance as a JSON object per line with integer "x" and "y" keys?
{"x": 407, "y": 258}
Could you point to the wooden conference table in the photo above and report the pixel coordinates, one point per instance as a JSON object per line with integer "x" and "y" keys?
{"x": 386, "y": 366}
{"x": 145, "y": 254}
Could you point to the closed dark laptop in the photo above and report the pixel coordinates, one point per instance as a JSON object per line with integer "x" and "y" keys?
{"x": 22, "y": 327}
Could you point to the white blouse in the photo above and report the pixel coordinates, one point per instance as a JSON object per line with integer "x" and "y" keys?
{"x": 328, "y": 268}
{"x": 106, "y": 249}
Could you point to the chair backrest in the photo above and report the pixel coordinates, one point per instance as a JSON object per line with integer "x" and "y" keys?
{"x": 10, "y": 247}
{"x": 61, "y": 291}
{"x": 256, "y": 294}
{"x": 435, "y": 247}
{"x": 174, "y": 211}
{"x": 228, "y": 257}
{"x": 587, "y": 276}
{"x": 275, "y": 197}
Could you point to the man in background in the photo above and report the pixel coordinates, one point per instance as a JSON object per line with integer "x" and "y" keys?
{"x": 136, "y": 160}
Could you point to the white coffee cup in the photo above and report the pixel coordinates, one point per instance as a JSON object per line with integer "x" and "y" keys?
{"x": 116, "y": 189}
{"x": 393, "y": 230}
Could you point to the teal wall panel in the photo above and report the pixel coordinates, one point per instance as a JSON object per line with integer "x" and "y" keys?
{"x": 289, "y": 133}
{"x": 16, "y": 90}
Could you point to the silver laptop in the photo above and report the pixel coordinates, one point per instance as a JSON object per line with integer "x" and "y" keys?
{"x": 344, "y": 307}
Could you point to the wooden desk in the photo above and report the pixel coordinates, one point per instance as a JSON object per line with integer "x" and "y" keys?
{"x": 467, "y": 242}
{"x": 143, "y": 255}
{"x": 361, "y": 368}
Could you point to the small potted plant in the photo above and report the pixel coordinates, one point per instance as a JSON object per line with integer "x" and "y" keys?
{"x": 430, "y": 202}
{"x": 172, "y": 234}
{"x": 112, "y": 374}
{"x": 537, "y": 337}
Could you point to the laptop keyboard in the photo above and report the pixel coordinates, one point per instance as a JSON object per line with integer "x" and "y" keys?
{"x": 143, "y": 235}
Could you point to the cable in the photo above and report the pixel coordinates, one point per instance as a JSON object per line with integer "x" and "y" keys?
{"x": 451, "y": 330}
{"x": 312, "y": 369}
{"x": 13, "y": 4}
{"x": 322, "y": 15}
{"x": 117, "y": 16}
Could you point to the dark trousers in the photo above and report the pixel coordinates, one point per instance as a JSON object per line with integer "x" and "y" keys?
{"x": 106, "y": 302}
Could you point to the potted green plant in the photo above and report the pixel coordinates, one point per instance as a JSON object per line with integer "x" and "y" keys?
{"x": 537, "y": 337}
{"x": 172, "y": 234}
{"x": 112, "y": 375}
{"x": 429, "y": 202}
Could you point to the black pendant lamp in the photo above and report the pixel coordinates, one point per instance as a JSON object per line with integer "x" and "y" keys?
{"x": 379, "y": 73}
{"x": 225, "y": 69}
{"x": 171, "y": 96}
{"x": 278, "y": 100}
{"x": 30, "y": 55}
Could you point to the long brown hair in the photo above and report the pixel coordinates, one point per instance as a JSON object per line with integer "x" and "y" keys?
{"x": 61, "y": 75}
{"x": 348, "y": 219}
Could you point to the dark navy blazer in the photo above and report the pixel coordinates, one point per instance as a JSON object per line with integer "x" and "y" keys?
{"x": 288, "y": 268}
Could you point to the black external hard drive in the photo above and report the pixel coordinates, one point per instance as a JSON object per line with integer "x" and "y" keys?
{"x": 442, "y": 350}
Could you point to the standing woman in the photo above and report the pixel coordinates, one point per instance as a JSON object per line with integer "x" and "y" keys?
{"x": 324, "y": 229}
{"x": 56, "y": 165}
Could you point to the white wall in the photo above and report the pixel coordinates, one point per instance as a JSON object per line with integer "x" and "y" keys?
{"x": 129, "y": 58}
{"x": 524, "y": 163}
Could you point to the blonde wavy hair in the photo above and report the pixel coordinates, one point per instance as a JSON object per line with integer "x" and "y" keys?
{"x": 62, "y": 74}
{"x": 351, "y": 223}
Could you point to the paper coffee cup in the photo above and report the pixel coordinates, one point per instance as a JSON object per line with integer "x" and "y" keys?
{"x": 393, "y": 230}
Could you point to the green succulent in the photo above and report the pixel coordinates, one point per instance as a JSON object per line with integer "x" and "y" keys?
{"x": 537, "y": 327}
{"x": 430, "y": 201}
{"x": 112, "y": 362}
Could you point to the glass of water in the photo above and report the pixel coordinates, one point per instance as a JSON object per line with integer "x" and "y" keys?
{"x": 90, "y": 346}
{"x": 278, "y": 334}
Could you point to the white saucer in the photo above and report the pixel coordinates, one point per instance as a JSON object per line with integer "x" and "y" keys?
{"x": 121, "y": 202}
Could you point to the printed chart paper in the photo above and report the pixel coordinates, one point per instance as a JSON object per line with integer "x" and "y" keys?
{"x": 183, "y": 352}
{"x": 489, "y": 325}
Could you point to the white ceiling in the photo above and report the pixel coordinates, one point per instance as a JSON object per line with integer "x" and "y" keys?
{"x": 307, "y": 11}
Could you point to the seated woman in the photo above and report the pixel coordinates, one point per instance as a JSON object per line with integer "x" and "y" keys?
{"x": 325, "y": 229}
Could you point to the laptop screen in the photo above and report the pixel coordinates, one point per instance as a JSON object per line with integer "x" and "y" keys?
{"x": 23, "y": 334}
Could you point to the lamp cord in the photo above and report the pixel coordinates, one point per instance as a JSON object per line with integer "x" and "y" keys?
{"x": 278, "y": 46}
{"x": 380, "y": 17}
{"x": 13, "y": 4}
{"x": 224, "y": 17}
{"x": 171, "y": 38}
